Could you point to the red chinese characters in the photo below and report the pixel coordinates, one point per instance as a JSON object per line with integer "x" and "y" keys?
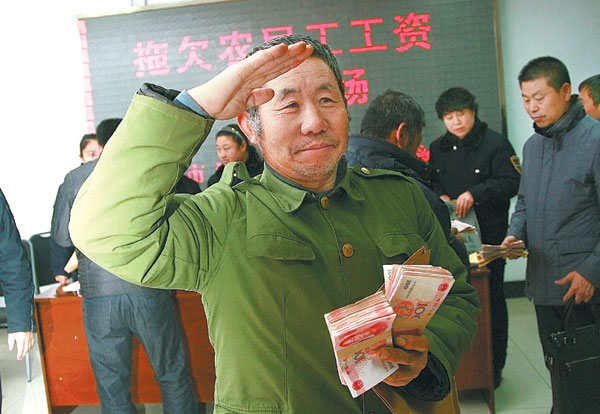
{"x": 411, "y": 31}
{"x": 193, "y": 58}
{"x": 196, "y": 174}
{"x": 357, "y": 90}
{"x": 152, "y": 57}
{"x": 369, "y": 46}
{"x": 235, "y": 51}
{"x": 270, "y": 33}
{"x": 423, "y": 153}
{"x": 322, "y": 28}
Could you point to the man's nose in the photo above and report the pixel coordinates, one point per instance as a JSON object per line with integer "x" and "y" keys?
{"x": 533, "y": 106}
{"x": 313, "y": 120}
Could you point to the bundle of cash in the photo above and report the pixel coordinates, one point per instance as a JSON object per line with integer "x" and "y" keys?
{"x": 357, "y": 331}
{"x": 489, "y": 253}
{"x": 415, "y": 292}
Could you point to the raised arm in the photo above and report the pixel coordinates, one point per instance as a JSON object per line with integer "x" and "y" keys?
{"x": 126, "y": 217}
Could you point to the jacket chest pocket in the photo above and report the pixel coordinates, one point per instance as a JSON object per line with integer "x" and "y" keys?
{"x": 397, "y": 247}
{"x": 278, "y": 247}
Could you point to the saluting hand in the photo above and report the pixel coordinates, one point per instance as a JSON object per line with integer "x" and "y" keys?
{"x": 239, "y": 87}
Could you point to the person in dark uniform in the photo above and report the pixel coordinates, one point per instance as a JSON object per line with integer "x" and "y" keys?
{"x": 478, "y": 168}
{"x": 232, "y": 146}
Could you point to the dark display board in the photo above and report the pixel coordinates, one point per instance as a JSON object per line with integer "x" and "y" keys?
{"x": 420, "y": 47}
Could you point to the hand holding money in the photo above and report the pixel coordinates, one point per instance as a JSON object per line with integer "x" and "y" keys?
{"x": 410, "y": 353}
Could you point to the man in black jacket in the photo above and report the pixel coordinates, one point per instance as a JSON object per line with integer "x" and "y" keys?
{"x": 391, "y": 132}
{"x": 114, "y": 310}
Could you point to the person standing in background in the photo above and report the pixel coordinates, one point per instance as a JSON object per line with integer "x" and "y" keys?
{"x": 478, "y": 168}
{"x": 557, "y": 214}
{"x": 589, "y": 95}
{"x": 115, "y": 310}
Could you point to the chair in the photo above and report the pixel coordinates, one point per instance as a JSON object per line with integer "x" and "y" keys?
{"x": 41, "y": 265}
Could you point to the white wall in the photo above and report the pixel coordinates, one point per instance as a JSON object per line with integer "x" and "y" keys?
{"x": 532, "y": 28}
{"x": 43, "y": 111}
{"x": 42, "y": 103}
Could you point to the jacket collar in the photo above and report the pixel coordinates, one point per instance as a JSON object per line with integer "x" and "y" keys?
{"x": 290, "y": 195}
{"x": 398, "y": 158}
{"x": 472, "y": 139}
{"x": 566, "y": 122}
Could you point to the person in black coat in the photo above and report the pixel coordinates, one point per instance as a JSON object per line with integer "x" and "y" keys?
{"x": 478, "y": 168}
{"x": 391, "y": 132}
{"x": 232, "y": 146}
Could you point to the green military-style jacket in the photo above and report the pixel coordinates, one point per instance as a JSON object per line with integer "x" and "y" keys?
{"x": 269, "y": 259}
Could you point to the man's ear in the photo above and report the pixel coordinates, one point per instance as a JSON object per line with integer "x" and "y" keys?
{"x": 243, "y": 121}
{"x": 566, "y": 90}
{"x": 398, "y": 136}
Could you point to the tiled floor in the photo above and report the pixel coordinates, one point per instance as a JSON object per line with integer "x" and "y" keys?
{"x": 525, "y": 387}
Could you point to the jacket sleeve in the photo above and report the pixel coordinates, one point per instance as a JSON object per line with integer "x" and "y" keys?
{"x": 590, "y": 268}
{"x": 126, "y": 217}
{"x": 518, "y": 220}
{"x": 15, "y": 273}
{"x": 59, "y": 229}
{"x": 503, "y": 182}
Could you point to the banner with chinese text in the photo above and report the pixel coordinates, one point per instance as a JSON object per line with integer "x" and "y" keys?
{"x": 420, "y": 47}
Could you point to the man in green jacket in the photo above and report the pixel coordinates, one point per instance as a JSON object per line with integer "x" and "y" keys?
{"x": 274, "y": 253}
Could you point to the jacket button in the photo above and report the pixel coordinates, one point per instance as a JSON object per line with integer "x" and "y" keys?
{"x": 325, "y": 202}
{"x": 348, "y": 250}
{"x": 454, "y": 147}
{"x": 477, "y": 171}
{"x": 365, "y": 170}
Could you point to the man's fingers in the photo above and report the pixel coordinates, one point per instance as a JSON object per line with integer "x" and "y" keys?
{"x": 260, "y": 96}
{"x": 412, "y": 342}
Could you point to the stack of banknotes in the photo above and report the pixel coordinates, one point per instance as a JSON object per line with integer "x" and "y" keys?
{"x": 489, "y": 253}
{"x": 409, "y": 298}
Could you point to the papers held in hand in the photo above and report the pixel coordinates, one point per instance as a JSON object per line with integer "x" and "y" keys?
{"x": 489, "y": 253}
{"x": 409, "y": 298}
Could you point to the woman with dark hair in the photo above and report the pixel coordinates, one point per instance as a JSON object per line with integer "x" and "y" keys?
{"x": 89, "y": 148}
{"x": 232, "y": 146}
{"x": 478, "y": 168}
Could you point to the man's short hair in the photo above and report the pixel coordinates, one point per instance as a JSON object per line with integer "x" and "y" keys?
{"x": 86, "y": 140}
{"x": 106, "y": 129}
{"x": 321, "y": 51}
{"x": 549, "y": 67}
{"x": 388, "y": 111}
{"x": 593, "y": 86}
{"x": 455, "y": 99}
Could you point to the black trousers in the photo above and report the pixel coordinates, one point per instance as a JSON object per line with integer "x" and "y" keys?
{"x": 550, "y": 319}
{"x": 498, "y": 315}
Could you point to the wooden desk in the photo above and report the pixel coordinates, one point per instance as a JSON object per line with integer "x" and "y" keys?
{"x": 476, "y": 369}
{"x": 68, "y": 375}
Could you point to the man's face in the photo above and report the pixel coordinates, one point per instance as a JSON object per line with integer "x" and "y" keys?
{"x": 588, "y": 103}
{"x": 543, "y": 103}
{"x": 459, "y": 123}
{"x": 304, "y": 128}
